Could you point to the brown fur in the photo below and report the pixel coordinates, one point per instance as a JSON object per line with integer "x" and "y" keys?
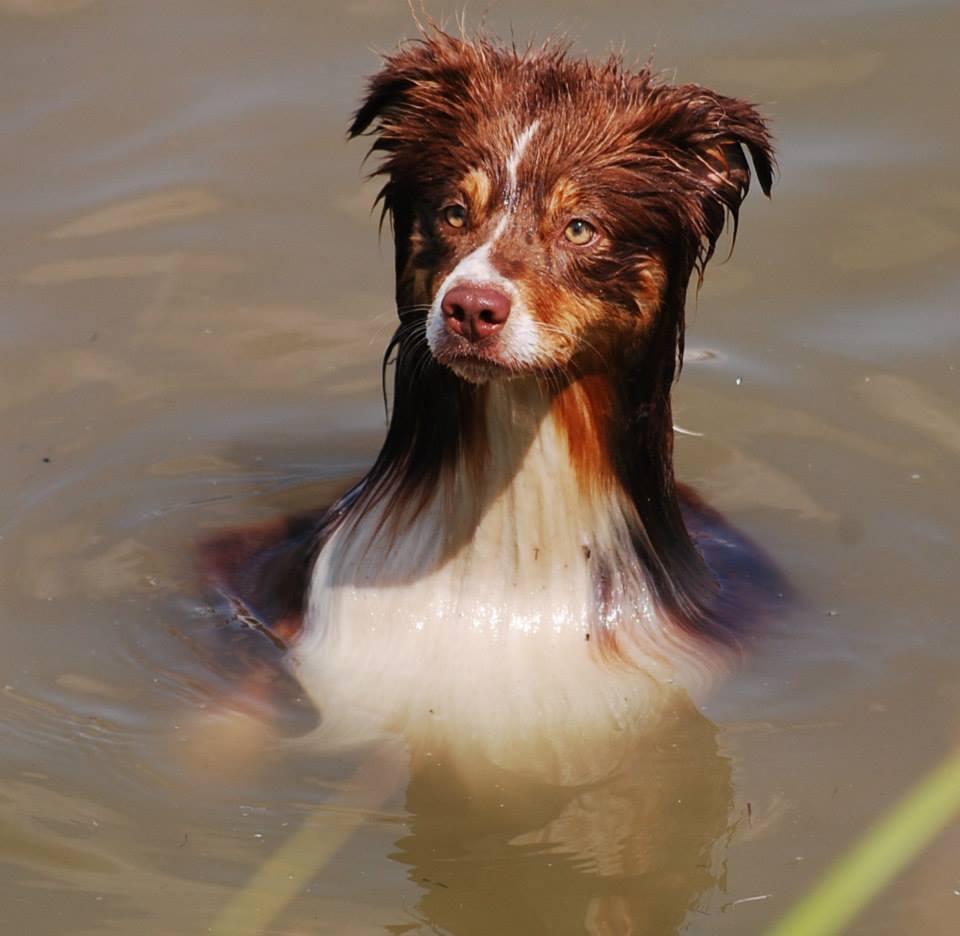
{"x": 586, "y": 411}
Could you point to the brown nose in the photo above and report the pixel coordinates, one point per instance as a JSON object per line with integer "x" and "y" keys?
{"x": 475, "y": 312}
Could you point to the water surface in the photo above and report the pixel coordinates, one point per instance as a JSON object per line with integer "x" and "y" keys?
{"x": 193, "y": 304}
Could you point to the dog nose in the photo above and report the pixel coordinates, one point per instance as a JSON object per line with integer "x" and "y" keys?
{"x": 475, "y": 312}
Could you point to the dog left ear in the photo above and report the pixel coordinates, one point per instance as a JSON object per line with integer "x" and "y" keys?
{"x": 723, "y": 131}
{"x": 738, "y": 126}
{"x": 413, "y": 96}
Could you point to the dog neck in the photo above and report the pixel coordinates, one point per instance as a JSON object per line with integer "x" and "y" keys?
{"x": 532, "y": 485}
{"x": 534, "y": 477}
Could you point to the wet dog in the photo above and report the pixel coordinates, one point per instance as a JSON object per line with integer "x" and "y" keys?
{"x": 519, "y": 571}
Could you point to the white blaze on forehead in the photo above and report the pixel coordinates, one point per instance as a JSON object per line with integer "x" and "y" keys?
{"x": 512, "y": 193}
{"x": 513, "y": 162}
{"x": 521, "y": 337}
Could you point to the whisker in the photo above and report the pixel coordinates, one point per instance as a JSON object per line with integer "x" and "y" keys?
{"x": 576, "y": 339}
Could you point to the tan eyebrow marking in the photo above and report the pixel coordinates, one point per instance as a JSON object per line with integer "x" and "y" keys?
{"x": 477, "y": 187}
{"x": 563, "y": 198}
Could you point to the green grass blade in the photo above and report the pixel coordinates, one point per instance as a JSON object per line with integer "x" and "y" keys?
{"x": 895, "y": 840}
{"x": 279, "y": 880}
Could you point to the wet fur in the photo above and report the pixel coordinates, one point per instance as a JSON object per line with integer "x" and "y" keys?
{"x": 558, "y": 476}
{"x": 669, "y": 167}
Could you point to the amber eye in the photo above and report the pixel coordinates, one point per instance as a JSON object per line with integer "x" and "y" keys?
{"x": 579, "y": 232}
{"x": 455, "y": 215}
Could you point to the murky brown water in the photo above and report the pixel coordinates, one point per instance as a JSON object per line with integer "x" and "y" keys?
{"x": 193, "y": 303}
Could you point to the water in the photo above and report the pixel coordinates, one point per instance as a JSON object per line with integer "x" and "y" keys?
{"x": 194, "y": 301}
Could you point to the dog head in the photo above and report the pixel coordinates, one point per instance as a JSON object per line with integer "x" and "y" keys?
{"x": 549, "y": 212}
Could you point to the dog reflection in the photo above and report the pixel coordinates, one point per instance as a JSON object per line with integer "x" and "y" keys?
{"x": 628, "y": 856}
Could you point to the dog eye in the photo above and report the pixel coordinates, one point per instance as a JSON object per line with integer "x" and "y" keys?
{"x": 455, "y": 215}
{"x": 580, "y": 232}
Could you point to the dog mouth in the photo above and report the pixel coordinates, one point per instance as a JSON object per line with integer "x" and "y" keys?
{"x": 477, "y": 365}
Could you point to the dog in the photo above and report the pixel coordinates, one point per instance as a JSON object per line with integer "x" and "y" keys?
{"x": 519, "y": 575}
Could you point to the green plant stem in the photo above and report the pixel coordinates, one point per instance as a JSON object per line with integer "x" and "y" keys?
{"x": 291, "y": 867}
{"x": 885, "y": 850}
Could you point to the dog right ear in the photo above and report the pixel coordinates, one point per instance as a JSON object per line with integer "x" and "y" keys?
{"x": 415, "y": 91}
{"x": 410, "y": 104}
{"x": 386, "y": 93}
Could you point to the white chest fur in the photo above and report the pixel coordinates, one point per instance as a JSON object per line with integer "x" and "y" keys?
{"x": 467, "y": 624}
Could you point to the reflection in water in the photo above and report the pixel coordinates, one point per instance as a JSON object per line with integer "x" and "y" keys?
{"x": 632, "y": 854}
{"x": 490, "y": 850}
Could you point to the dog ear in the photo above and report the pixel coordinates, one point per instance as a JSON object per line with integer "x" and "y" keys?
{"x": 692, "y": 146}
{"x": 386, "y": 95}
{"x": 415, "y": 92}
{"x": 738, "y": 129}
{"x": 389, "y": 112}
{"x": 410, "y": 104}
{"x": 722, "y": 131}
{"x": 738, "y": 126}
